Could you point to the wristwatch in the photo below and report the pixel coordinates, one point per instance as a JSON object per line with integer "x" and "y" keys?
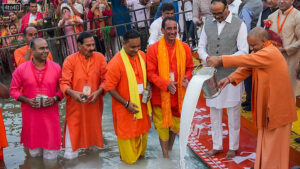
{"x": 56, "y": 98}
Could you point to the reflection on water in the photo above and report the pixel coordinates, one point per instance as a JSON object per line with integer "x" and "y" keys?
{"x": 15, "y": 156}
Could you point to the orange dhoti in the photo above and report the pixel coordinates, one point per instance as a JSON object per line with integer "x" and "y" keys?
{"x": 273, "y": 146}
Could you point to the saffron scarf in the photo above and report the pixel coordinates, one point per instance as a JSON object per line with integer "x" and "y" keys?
{"x": 164, "y": 72}
{"x": 132, "y": 83}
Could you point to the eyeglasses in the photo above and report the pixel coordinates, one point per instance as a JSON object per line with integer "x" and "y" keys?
{"x": 220, "y": 13}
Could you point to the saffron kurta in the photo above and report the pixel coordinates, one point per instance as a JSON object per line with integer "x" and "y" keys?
{"x": 41, "y": 128}
{"x": 20, "y": 52}
{"x": 3, "y": 140}
{"x": 161, "y": 84}
{"x": 273, "y": 102}
{"x": 116, "y": 78}
{"x": 83, "y": 119}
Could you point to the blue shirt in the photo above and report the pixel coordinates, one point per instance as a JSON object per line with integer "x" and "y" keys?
{"x": 246, "y": 15}
{"x": 120, "y": 16}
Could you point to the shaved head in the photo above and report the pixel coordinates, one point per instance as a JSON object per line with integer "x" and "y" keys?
{"x": 36, "y": 41}
{"x": 259, "y": 33}
{"x": 257, "y": 39}
{"x": 40, "y": 49}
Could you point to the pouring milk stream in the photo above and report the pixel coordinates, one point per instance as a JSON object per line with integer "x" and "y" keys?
{"x": 205, "y": 78}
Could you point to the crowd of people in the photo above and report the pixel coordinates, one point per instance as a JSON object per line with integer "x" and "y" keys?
{"x": 253, "y": 44}
{"x": 73, "y": 16}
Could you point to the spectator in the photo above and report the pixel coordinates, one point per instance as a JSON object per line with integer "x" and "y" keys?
{"x": 13, "y": 30}
{"x": 76, "y": 8}
{"x": 68, "y": 20}
{"x": 189, "y": 22}
{"x": 297, "y": 4}
{"x": 201, "y": 11}
{"x": 32, "y": 16}
{"x": 155, "y": 27}
{"x": 24, "y": 53}
{"x": 139, "y": 16}
{"x": 14, "y": 19}
{"x": 249, "y": 12}
{"x": 159, "y": 9}
{"x": 270, "y": 7}
{"x": 98, "y": 9}
{"x": 120, "y": 16}
{"x": 233, "y": 6}
{"x": 13, "y": 41}
{"x": 3, "y": 29}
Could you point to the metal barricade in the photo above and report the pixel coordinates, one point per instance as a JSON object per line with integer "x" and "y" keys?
{"x": 59, "y": 42}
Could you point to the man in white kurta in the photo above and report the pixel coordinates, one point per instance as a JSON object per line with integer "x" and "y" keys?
{"x": 222, "y": 34}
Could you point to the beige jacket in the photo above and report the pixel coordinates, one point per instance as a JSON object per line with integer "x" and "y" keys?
{"x": 290, "y": 35}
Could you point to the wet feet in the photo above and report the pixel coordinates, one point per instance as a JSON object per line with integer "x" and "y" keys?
{"x": 231, "y": 154}
{"x": 213, "y": 153}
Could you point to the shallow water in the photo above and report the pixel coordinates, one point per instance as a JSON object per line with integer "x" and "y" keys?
{"x": 107, "y": 158}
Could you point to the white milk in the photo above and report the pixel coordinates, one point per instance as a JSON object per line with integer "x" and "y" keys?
{"x": 187, "y": 113}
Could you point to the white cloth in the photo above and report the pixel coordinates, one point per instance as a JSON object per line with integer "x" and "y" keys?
{"x": 230, "y": 96}
{"x": 69, "y": 153}
{"x": 188, "y": 7}
{"x": 139, "y": 15}
{"x": 47, "y": 154}
{"x": 234, "y": 122}
{"x": 234, "y": 7}
{"x": 31, "y": 18}
{"x": 155, "y": 31}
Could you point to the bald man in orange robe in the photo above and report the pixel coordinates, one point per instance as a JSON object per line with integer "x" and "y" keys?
{"x": 24, "y": 53}
{"x": 4, "y": 93}
{"x": 273, "y": 103}
{"x": 82, "y": 82}
{"x": 132, "y": 133}
{"x": 169, "y": 68}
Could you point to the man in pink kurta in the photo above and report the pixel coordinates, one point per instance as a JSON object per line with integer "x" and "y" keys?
{"x": 39, "y": 76}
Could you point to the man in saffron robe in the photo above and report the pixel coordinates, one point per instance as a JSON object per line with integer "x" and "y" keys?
{"x": 24, "y": 53}
{"x": 82, "y": 82}
{"x": 39, "y": 77}
{"x": 126, "y": 80}
{"x": 169, "y": 67}
{"x": 4, "y": 93}
{"x": 32, "y": 16}
{"x": 273, "y": 102}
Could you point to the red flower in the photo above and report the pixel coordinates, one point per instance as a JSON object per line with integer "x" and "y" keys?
{"x": 268, "y": 23}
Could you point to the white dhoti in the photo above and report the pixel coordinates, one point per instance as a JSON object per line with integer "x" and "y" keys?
{"x": 47, "y": 154}
{"x": 229, "y": 98}
{"x": 69, "y": 153}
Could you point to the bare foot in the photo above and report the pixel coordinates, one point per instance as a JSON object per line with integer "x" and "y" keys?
{"x": 213, "y": 153}
{"x": 231, "y": 153}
